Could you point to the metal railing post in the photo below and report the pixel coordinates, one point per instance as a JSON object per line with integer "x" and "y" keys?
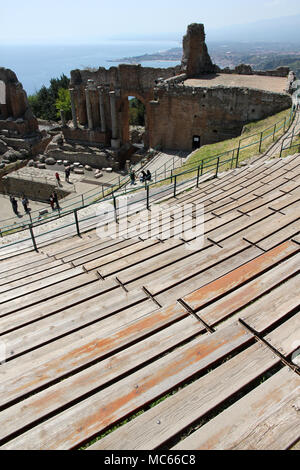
{"x": 237, "y": 155}
{"x": 77, "y": 222}
{"x": 175, "y": 185}
{"x": 198, "y": 176}
{"x": 232, "y": 160}
{"x": 260, "y": 142}
{"x": 147, "y": 196}
{"x": 33, "y": 238}
{"x": 274, "y": 132}
{"x": 281, "y": 150}
{"x": 82, "y": 199}
{"x": 217, "y": 169}
{"x": 202, "y": 166}
{"x": 284, "y": 125}
{"x": 115, "y": 207}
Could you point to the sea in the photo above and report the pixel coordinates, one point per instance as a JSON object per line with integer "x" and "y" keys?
{"x": 35, "y": 65}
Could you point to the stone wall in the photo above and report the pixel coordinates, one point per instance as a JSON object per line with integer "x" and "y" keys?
{"x": 15, "y": 113}
{"x": 34, "y": 190}
{"x": 214, "y": 114}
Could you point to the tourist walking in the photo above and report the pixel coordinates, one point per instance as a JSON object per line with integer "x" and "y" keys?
{"x": 57, "y": 178}
{"x": 148, "y": 176}
{"x": 25, "y": 204}
{"x": 132, "y": 177}
{"x": 55, "y": 198}
{"x": 67, "y": 173}
{"x": 14, "y": 204}
{"x": 51, "y": 200}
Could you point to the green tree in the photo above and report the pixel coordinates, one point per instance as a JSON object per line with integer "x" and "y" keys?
{"x": 63, "y": 102}
{"x": 43, "y": 103}
{"x": 136, "y": 112}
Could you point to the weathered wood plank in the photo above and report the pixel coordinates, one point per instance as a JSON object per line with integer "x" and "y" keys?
{"x": 75, "y": 425}
{"x": 53, "y": 361}
{"x": 250, "y": 422}
{"x": 92, "y": 253}
{"x": 188, "y": 285}
{"x": 18, "y": 262}
{"x": 29, "y": 280}
{"x": 161, "y": 423}
{"x": 285, "y": 338}
{"x": 62, "y": 394}
{"x": 33, "y": 298}
{"x": 40, "y": 284}
{"x": 111, "y": 257}
{"x": 281, "y": 236}
{"x": 29, "y": 272}
{"x": 240, "y": 297}
{"x": 239, "y": 276}
{"x": 63, "y": 323}
{"x": 242, "y": 225}
{"x": 278, "y": 303}
{"x": 262, "y": 230}
{"x": 155, "y": 252}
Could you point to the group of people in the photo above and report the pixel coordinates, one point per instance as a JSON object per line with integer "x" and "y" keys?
{"x": 14, "y": 204}
{"x": 144, "y": 176}
{"x": 67, "y": 176}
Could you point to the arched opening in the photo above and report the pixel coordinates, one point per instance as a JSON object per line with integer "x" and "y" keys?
{"x": 196, "y": 142}
{"x": 137, "y": 121}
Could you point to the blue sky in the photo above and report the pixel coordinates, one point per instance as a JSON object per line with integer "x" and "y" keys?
{"x": 90, "y": 21}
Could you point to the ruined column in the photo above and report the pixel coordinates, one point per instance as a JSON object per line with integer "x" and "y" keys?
{"x": 89, "y": 109}
{"x": 102, "y": 111}
{"x": 115, "y": 143}
{"x": 74, "y": 117}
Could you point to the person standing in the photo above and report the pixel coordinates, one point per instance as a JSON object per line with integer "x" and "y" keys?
{"x": 25, "y": 204}
{"x": 67, "y": 173}
{"x": 55, "y": 198}
{"x": 132, "y": 177}
{"x": 51, "y": 200}
{"x": 14, "y": 204}
{"x": 57, "y": 178}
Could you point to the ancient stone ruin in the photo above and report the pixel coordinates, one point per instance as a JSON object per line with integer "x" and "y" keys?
{"x": 193, "y": 104}
{"x": 178, "y": 112}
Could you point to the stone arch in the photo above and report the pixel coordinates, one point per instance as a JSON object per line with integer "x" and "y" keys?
{"x": 124, "y": 115}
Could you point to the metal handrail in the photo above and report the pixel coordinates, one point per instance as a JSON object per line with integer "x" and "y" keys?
{"x": 199, "y": 168}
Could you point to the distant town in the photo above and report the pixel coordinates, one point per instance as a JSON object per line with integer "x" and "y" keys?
{"x": 261, "y": 56}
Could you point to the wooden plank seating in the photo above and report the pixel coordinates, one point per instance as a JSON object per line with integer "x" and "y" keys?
{"x": 161, "y": 423}
{"x": 233, "y": 301}
{"x": 51, "y": 271}
{"x": 97, "y": 330}
{"x": 266, "y": 418}
{"x": 239, "y": 276}
{"x": 82, "y": 349}
{"x": 73, "y": 318}
{"x": 40, "y": 284}
{"x": 19, "y": 261}
{"x": 99, "y": 374}
{"x": 47, "y": 292}
{"x": 29, "y": 272}
{"x": 108, "y": 406}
